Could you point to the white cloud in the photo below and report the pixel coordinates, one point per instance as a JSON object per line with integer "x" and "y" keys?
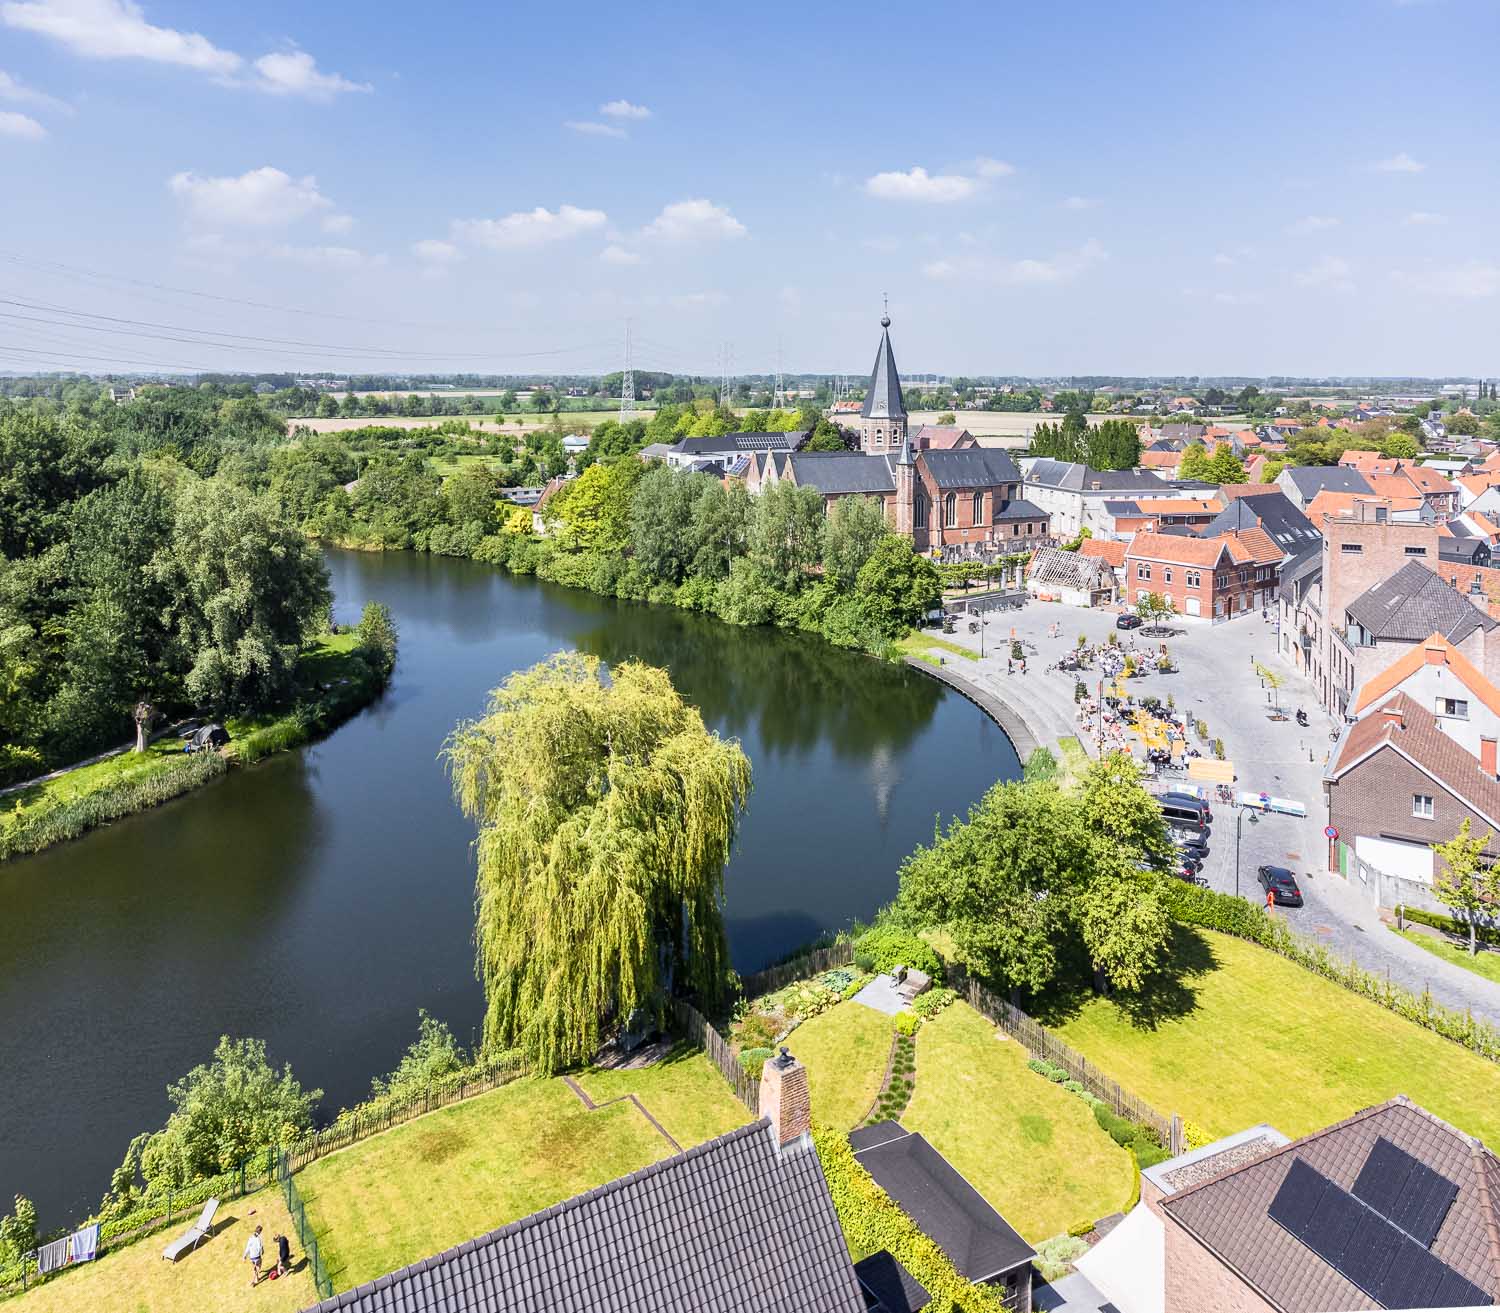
{"x": 623, "y": 109}
{"x": 335, "y": 224}
{"x": 116, "y": 29}
{"x": 18, "y": 93}
{"x": 1081, "y": 203}
{"x": 694, "y": 220}
{"x": 296, "y": 73}
{"x": 527, "y": 228}
{"x": 1421, "y": 218}
{"x": 327, "y": 257}
{"x": 1399, "y": 163}
{"x": 614, "y": 253}
{"x": 1313, "y": 223}
{"x": 986, "y": 167}
{"x": 1331, "y": 271}
{"x": 1469, "y": 282}
{"x": 919, "y": 185}
{"x": 595, "y": 129}
{"x": 1063, "y": 267}
{"x": 261, "y": 198}
{"x": 434, "y": 252}
{"x": 21, "y": 126}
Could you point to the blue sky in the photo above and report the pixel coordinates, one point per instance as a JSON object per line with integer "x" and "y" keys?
{"x": 1041, "y": 189}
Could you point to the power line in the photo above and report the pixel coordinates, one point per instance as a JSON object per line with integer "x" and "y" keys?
{"x": 627, "y": 384}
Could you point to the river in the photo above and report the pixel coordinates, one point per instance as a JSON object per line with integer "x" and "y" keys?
{"x": 318, "y": 899}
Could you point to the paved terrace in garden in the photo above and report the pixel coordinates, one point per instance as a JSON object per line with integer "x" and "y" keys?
{"x": 1216, "y": 683}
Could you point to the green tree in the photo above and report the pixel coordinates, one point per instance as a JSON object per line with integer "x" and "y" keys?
{"x": 1465, "y": 885}
{"x": 46, "y": 464}
{"x": 1273, "y": 680}
{"x": 1400, "y": 446}
{"x": 947, "y": 419}
{"x": 245, "y": 590}
{"x": 786, "y": 533}
{"x": 593, "y": 511}
{"x": 721, "y": 528}
{"x": 1117, "y": 807}
{"x": 378, "y": 637}
{"x": 472, "y": 496}
{"x": 1114, "y": 444}
{"x": 662, "y": 537}
{"x": 826, "y": 436}
{"x": 1224, "y": 466}
{"x": 606, "y": 813}
{"x": 896, "y": 587}
{"x": 431, "y": 1056}
{"x": 1195, "y": 464}
{"x": 855, "y": 525}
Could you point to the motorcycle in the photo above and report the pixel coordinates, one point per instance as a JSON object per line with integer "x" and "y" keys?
{"x": 1302, "y": 717}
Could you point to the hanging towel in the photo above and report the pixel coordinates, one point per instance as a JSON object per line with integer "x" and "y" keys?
{"x": 85, "y": 1243}
{"x": 53, "y": 1256}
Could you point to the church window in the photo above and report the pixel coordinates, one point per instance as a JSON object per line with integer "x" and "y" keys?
{"x": 978, "y": 508}
{"x": 950, "y": 510}
{"x": 920, "y": 513}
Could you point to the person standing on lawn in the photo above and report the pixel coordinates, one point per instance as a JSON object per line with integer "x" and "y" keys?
{"x": 283, "y": 1254}
{"x": 254, "y": 1251}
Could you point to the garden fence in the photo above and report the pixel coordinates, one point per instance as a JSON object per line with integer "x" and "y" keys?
{"x": 363, "y": 1122}
{"x": 306, "y": 1237}
{"x": 799, "y": 968}
{"x": 1042, "y": 1043}
{"x": 697, "y": 1028}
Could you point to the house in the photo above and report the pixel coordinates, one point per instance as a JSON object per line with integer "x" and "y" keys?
{"x": 1398, "y": 510}
{"x": 1369, "y": 462}
{"x": 1436, "y": 675}
{"x": 1123, "y": 519}
{"x": 743, "y": 1222}
{"x": 1165, "y": 464}
{"x": 1390, "y": 1208}
{"x": 981, "y": 1244}
{"x": 1302, "y": 483}
{"x": 1267, "y": 507}
{"x": 716, "y": 454}
{"x": 1072, "y": 494}
{"x": 1212, "y": 578}
{"x": 932, "y": 437}
{"x": 1072, "y": 577}
{"x": 1458, "y": 544}
{"x": 1397, "y": 784}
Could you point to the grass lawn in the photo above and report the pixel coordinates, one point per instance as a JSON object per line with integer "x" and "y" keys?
{"x": 135, "y": 1279}
{"x": 1484, "y": 963}
{"x": 447, "y": 466}
{"x": 924, "y": 647}
{"x": 1243, "y": 1036}
{"x": 465, "y": 1170}
{"x": 684, "y": 1093}
{"x": 845, "y": 1051}
{"x": 1028, "y": 1146}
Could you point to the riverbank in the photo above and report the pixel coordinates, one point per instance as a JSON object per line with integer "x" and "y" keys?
{"x": 334, "y": 683}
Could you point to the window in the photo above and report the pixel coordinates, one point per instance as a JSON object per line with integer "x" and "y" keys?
{"x": 978, "y": 508}
{"x": 1142, "y": 570}
{"x": 1030, "y": 529}
{"x": 920, "y": 512}
{"x": 1166, "y": 574}
{"x": 1015, "y": 531}
{"x": 1194, "y": 578}
{"x": 950, "y": 510}
{"x": 1421, "y": 805}
{"x": 1416, "y": 551}
{"x": 1458, "y": 708}
{"x": 1352, "y": 548}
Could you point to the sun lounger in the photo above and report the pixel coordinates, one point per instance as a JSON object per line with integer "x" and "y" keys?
{"x": 913, "y": 983}
{"x": 200, "y": 1230}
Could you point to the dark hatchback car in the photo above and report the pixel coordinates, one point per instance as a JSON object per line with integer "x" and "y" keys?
{"x": 1127, "y": 621}
{"x": 1281, "y": 884}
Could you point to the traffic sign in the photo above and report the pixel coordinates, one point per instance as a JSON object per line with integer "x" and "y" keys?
{"x": 1330, "y": 831}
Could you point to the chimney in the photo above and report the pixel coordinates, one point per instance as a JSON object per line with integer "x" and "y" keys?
{"x": 1391, "y": 716}
{"x": 784, "y": 1097}
{"x": 1487, "y": 756}
{"x": 1435, "y": 656}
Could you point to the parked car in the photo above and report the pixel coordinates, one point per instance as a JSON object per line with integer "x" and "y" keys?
{"x": 1194, "y": 848}
{"x": 1127, "y": 621}
{"x": 1185, "y": 809}
{"x": 1281, "y": 884}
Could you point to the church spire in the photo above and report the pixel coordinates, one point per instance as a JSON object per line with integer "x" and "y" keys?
{"x": 883, "y": 400}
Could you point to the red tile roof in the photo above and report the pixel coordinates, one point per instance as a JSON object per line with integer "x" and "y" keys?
{"x": 1437, "y": 650}
{"x": 1105, "y": 549}
{"x": 1176, "y": 549}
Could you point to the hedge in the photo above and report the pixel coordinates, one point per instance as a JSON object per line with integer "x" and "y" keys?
{"x": 1229, "y": 915}
{"x": 1486, "y": 934}
{"x": 883, "y": 947}
{"x": 872, "y": 1221}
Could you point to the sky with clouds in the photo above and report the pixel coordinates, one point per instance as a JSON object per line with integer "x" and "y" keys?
{"x": 1040, "y": 189}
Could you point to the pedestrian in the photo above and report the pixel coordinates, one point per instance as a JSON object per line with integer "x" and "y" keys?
{"x": 283, "y": 1255}
{"x": 1008, "y": 669}
{"x": 254, "y": 1251}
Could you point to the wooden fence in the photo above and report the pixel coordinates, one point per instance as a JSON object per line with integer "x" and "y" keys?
{"x": 1042, "y": 1043}
{"x": 697, "y": 1028}
{"x": 799, "y": 968}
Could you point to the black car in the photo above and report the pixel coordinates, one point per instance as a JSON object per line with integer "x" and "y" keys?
{"x": 1281, "y": 884}
{"x": 1127, "y": 621}
{"x": 1194, "y": 848}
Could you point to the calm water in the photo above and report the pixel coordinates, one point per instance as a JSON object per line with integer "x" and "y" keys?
{"x": 319, "y": 899}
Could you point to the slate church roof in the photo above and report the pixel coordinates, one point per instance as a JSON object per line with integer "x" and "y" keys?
{"x": 883, "y": 400}
{"x": 733, "y": 1226}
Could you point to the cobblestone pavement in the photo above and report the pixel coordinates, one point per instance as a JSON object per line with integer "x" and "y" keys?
{"x": 1216, "y": 683}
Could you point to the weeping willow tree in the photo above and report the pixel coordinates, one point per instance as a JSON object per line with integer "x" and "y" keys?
{"x": 606, "y": 813}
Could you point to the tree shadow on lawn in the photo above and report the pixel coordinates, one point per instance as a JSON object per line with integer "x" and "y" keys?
{"x": 1167, "y": 996}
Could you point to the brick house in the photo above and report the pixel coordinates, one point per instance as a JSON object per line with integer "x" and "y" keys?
{"x": 1211, "y": 578}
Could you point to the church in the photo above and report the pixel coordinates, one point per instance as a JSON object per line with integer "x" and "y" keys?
{"x": 938, "y": 486}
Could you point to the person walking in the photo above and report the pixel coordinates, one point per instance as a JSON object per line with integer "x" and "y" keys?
{"x": 283, "y": 1254}
{"x": 254, "y": 1251}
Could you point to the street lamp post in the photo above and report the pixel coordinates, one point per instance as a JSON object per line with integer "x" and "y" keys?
{"x": 1238, "y": 824}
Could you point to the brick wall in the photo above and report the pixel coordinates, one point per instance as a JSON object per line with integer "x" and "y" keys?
{"x": 1196, "y": 1281}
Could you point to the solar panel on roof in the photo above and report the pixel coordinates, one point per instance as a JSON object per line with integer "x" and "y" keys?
{"x": 1383, "y": 1176}
{"x": 1413, "y": 1278}
{"x": 1457, "y": 1291}
{"x": 1300, "y": 1191}
{"x": 1332, "y": 1224}
{"x": 1368, "y": 1255}
{"x": 1424, "y": 1204}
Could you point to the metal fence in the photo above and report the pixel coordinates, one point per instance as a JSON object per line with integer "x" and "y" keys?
{"x": 306, "y": 1236}
{"x": 697, "y": 1028}
{"x": 1042, "y": 1043}
{"x": 799, "y": 968}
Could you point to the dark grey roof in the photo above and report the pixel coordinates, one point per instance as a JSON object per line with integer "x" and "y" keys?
{"x": 970, "y": 467}
{"x": 734, "y": 1224}
{"x": 1121, "y": 508}
{"x": 1019, "y": 509}
{"x": 1274, "y": 512}
{"x": 1077, "y": 477}
{"x": 741, "y": 442}
{"x": 946, "y": 1208}
{"x": 1303, "y": 570}
{"x": 883, "y": 400}
{"x": 1310, "y": 480}
{"x": 892, "y": 1288}
{"x": 1469, "y": 551}
{"x": 1415, "y": 603}
{"x": 838, "y": 473}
